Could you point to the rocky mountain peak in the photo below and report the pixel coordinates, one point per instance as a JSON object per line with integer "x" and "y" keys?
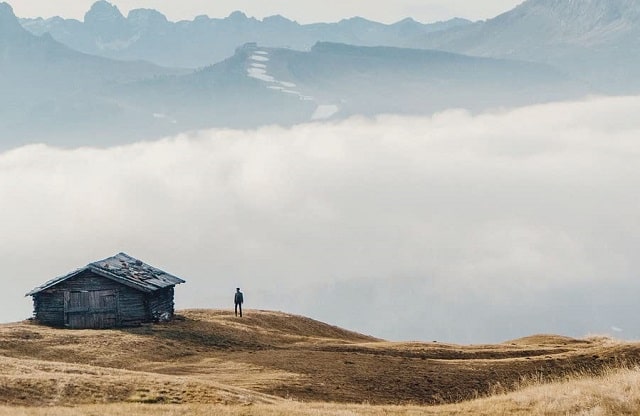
{"x": 5, "y": 9}
{"x": 146, "y": 17}
{"x": 9, "y": 23}
{"x": 277, "y": 20}
{"x": 103, "y": 12}
{"x": 237, "y": 16}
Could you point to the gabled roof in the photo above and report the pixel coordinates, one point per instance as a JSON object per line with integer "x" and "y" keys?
{"x": 124, "y": 269}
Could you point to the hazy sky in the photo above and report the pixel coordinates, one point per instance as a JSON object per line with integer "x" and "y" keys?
{"x": 303, "y": 11}
{"x": 453, "y": 227}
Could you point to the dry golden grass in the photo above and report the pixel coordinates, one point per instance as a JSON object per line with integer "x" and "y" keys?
{"x": 613, "y": 394}
{"x": 270, "y": 363}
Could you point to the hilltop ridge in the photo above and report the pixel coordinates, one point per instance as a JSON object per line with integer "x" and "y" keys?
{"x": 211, "y": 356}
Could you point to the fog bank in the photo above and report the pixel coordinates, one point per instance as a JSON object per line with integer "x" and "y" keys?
{"x": 455, "y": 227}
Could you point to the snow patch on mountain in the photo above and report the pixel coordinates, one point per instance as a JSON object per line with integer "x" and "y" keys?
{"x": 324, "y": 112}
{"x": 260, "y": 73}
{"x": 162, "y": 116}
{"x": 117, "y": 45}
{"x": 257, "y": 68}
{"x": 260, "y": 58}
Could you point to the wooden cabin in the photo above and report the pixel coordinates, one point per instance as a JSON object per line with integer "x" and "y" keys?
{"x": 119, "y": 291}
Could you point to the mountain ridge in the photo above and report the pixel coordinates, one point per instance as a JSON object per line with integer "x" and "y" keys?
{"x": 597, "y": 41}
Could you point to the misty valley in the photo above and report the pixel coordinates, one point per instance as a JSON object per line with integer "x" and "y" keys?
{"x": 111, "y": 79}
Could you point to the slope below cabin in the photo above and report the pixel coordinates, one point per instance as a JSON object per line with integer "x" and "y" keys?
{"x": 119, "y": 291}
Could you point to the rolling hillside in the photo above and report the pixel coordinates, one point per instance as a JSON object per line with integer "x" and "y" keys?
{"x": 212, "y": 357}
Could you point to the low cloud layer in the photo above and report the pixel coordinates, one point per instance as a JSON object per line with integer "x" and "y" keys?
{"x": 455, "y": 227}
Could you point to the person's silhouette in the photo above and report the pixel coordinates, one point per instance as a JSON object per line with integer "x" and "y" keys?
{"x": 238, "y": 300}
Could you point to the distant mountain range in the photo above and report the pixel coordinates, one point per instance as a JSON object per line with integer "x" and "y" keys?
{"x": 596, "y": 41}
{"x": 543, "y": 50}
{"x": 148, "y": 35}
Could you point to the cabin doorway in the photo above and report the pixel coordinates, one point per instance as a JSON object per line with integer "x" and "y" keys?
{"x": 95, "y": 309}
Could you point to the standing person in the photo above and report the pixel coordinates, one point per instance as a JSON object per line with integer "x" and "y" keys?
{"x": 238, "y": 299}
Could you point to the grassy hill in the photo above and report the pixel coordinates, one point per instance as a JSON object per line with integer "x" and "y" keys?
{"x": 282, "y": 364}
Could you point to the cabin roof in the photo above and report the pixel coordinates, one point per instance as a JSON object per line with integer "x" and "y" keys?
{"x": 124, "y": 269}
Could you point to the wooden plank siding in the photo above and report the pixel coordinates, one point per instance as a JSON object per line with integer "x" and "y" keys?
{"x": 161, "y": 304}
{"x": 133, "y": 307}
{"x": 91, "y": 309}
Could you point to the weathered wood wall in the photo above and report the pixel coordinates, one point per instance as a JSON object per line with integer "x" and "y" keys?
{"x": 134, "y": 306}
{"x": 161, "y": 306}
